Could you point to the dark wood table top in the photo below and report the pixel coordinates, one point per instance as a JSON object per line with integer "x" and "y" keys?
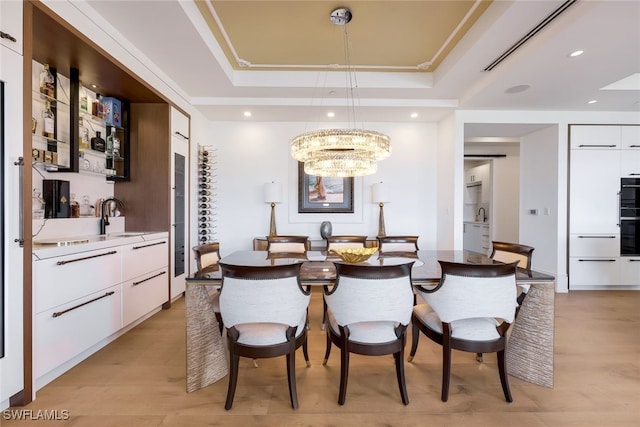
{"x": 318, "y": 267}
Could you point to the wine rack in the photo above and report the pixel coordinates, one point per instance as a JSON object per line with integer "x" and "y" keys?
{"x": 207, "y": 195}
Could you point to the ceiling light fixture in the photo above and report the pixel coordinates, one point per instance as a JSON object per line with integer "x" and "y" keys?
{"x": 247, "y": 113}
{"x": 331, "y": 114}
{"x": 576, "y": 53}
{"x": 342, "y": 152}
{"x": 414, "y": 115}
{"x": 593, "y": 101}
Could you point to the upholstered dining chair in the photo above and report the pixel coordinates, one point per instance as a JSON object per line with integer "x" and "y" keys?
{"x": 508, "y": 253}
{"x": 345, "y": 242}
{"x": 368, "y": 310}
{"x": 471, "y": 310}
{"x": 264, "y": 310}
{"x": 400, "y": 244}
{"x": 288, "y": 244}
{"x": 514, "y": 252}
{"x": 205, "y": 255}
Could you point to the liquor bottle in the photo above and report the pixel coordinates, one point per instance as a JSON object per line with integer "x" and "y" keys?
{"x": 97, "y": 107}
{"x": 84, "y": 135}
{"x": 84, "y": 99}
{"x": 116, "y": 145}
{"x": 109, "y": 150}
{"x": 109, "y": 146}
{"x": 97, "y": 143}
{"x": 47, "y": 82}
{"x": 48, "y": 121}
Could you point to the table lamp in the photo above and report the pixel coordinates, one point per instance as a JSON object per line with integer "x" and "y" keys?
{"x": 380, "y": 196}
{"x": 273, "y": 195}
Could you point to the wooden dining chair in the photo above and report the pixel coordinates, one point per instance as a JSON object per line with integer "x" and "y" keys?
{"x": 368, "y": 310}
{"x": 397, "y": 244}
{"x": 471, "y": 310}
{"x": 288, "y": 244}
{"x": 205, "y": 255}
{"x": 345, "y": 242}
{"x": 264, "y": 309}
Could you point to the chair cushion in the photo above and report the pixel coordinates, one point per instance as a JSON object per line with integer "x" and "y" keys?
{"x": 367, "y": 332}
{"x": 398, "y": 247}
{"x": 287, "y": 247}
{"x": 266, "y": 333}
{"x": 477, "y": 329}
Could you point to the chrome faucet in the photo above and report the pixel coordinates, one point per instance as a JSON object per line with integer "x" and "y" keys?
{"x": 484, "y": 214}
{"x": 104, "y": 217}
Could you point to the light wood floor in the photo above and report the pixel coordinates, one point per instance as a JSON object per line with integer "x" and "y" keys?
{"x": 139, "y": 380}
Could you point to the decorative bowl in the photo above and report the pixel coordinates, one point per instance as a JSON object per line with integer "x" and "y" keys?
{"x": 354, "y": 256}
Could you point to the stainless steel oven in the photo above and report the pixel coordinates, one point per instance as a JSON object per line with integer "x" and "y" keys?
{"x": 630, "y": 216}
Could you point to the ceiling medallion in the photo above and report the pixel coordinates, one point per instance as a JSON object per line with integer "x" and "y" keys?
{"x": 341, "y": 152}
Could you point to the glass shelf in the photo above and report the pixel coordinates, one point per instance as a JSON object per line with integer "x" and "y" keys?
{"x": 37, "y": 95}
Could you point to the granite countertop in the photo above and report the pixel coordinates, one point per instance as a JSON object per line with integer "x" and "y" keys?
{"x": 54, "y": 247}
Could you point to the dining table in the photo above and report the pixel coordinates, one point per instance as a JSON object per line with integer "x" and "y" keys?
{"x": 531, "y": 336}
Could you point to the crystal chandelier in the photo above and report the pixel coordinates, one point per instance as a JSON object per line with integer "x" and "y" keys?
{"x": 341, "y": 152}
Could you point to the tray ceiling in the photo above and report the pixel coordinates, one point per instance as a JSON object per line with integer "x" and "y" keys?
{"x": 384, "y": 35}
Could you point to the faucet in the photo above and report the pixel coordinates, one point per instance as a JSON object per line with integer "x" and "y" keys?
{"x": 484, "y": 214}
{"x": 104, "y": 217}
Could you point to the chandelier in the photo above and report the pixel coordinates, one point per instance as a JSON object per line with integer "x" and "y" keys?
{"x": 341, "y": 152}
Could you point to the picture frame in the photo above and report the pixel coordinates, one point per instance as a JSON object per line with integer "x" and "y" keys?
{"x": 336, "y": 193}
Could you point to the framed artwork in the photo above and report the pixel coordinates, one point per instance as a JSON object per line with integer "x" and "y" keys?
{"x": 318, "y": 194}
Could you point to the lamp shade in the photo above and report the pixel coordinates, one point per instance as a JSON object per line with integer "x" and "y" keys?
{"x": 379, "y": 193}
{"x": 272, "y": 192}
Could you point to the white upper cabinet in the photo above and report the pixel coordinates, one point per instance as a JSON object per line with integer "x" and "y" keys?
{"x": 11, "y": 24}
{"x": 630, "y": 136}
{"x": 595, "y": 182}
{"x": 600, "y": 137}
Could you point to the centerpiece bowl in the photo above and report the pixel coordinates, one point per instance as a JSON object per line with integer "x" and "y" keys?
{"x": 354, "y": 256}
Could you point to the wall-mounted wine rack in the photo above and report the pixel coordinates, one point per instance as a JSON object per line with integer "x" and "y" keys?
{"x": 207, "y": 195}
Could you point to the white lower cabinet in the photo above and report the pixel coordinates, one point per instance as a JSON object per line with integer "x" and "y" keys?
{"x": 64, "y": 331}
{"x": 630, "y": 271}
{"x": 477, "y": 238}
{"x": 84, "y": 298}
{"x": 144, "y": 294}
{"x": 587, "y": 271}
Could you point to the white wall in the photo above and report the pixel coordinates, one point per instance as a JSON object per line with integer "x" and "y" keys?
{"x": 251, "y": 154}
{"x": 539, "y": 165}
{"x": 450, "y": 180}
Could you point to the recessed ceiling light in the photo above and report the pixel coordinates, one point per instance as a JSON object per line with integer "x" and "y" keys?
{"x": 414, "y": 115}
{"x": 94, "y": 86}
{"x": 247, "y": 113}
{"x": 576, "y": 53}
{"x": 593, "y": 101}
{"x": 331, "y": 114}
{"x": 517, "y": 89}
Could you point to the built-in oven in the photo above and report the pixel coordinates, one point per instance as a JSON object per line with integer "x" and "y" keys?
{"x": 630, "y": 216}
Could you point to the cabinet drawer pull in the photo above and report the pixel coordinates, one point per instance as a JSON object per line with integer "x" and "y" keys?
{"x": 634, "y": 260}
{"x": 149, "y": 278}
{"x": 13, "y": 39}
{"x": 60, "y": 313}
{"x": 181, "y": 135}
{"x": 596, "y": 145}
{"x": 633, "y": 174}
{"x": 150, "y": 244}
{"x": 634, "y": 146}
{"x": 85, "y": 258}
{"x": 596, "y": 237}
{"x": 597, "y": 260}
